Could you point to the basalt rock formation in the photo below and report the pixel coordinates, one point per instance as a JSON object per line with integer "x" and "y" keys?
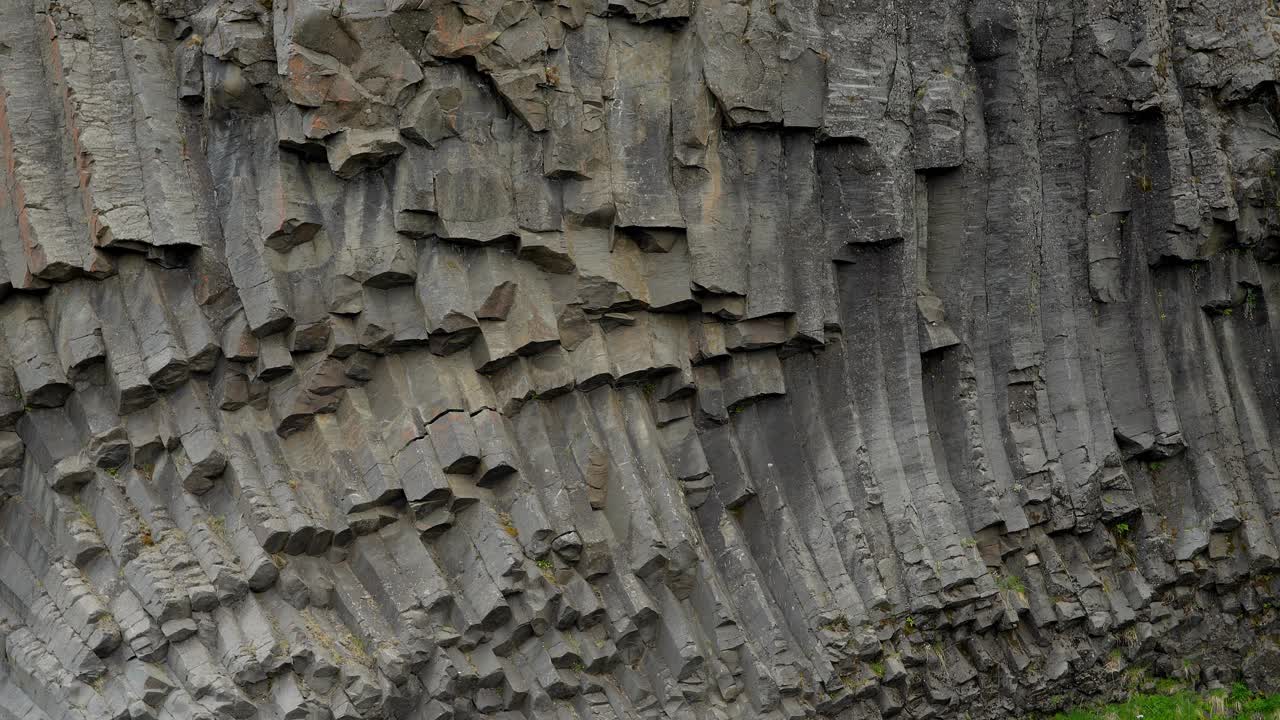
{"x": 596, "y": 359}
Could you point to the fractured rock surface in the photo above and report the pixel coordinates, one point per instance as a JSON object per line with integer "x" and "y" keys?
{"x": 576, "y": 359}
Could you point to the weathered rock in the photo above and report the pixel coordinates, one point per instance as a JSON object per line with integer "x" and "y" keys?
{"x": 641, "y": 358}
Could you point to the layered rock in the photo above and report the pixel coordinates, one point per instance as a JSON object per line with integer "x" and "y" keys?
{"x": 451, "y": 359}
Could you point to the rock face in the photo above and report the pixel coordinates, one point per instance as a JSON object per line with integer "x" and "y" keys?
{"x": 593, "y": 359}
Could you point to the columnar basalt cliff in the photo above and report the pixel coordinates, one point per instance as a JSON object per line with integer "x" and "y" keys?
{"x": 583, "y": 359}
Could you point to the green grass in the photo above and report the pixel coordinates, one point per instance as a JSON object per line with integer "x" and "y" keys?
{"x": 1238, "y": 703}
{"x": 1012, "y": 583}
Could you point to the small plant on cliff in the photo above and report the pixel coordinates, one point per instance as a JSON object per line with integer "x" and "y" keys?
{"x": 1012, "y": 583}
{"x": 548, "y": 570}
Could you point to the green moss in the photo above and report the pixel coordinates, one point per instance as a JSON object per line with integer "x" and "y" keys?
{"x": 1173, "y": 702}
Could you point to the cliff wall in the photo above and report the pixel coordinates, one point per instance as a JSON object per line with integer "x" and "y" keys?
{"x": 595, "y": 359}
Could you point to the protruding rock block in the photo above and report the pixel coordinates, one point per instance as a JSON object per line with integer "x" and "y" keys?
{"x": 454, "y": 438}
{"x": 41, "y": 378}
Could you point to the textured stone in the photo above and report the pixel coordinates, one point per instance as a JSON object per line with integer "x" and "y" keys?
{"x": 646, "y": 358}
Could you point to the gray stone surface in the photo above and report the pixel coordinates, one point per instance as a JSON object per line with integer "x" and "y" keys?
{"x": 449, "y": 359}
